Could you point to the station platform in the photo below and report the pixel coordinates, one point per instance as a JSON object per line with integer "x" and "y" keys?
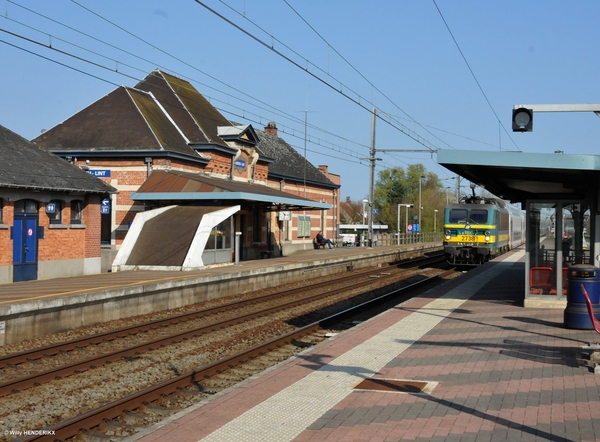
{"x": 486, "y": 369}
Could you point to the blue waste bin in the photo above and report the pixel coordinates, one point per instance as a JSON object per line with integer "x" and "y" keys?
{"x": 576, "y": 313}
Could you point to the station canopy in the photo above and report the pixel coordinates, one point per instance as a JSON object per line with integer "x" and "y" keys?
{"x": 518, "y": 176}
{"x": 173, "y": 185}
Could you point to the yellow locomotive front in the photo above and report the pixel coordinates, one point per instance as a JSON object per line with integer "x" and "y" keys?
{"x": 471, "y": 233}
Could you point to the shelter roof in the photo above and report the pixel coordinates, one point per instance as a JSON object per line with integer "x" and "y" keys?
{"x": 177, "y": 186}
{"x": 518, "y": 176}
{"x": 25, "y": 166}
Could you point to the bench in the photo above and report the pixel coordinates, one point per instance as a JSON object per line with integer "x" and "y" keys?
{"x": 318, "y": 245}
{"x": 263, "y": 249}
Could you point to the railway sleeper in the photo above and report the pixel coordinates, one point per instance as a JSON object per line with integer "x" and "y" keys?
{"x": 186, "y": 393}
{"x": 94, "y": 436}
{"x": 302, "y": 344}
{"x": 160, "y": 410}
{"x": 173, "y": 401}
{"x": 118, "y": 428}
{"x": 256, "y": 366}
{"x": 134, "y": 418}
{"x": 273, "y": 358}
{"x": 244, "y": 371}
{"x": 214, "y": 382}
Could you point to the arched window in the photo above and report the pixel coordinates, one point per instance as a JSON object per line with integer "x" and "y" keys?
{"x": 76, "y": 211}
{"x": 26, "y": 206}
{"x": 54, "y": 211}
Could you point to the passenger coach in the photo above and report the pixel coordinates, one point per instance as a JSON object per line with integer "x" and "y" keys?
{"x": 478, "y": 229}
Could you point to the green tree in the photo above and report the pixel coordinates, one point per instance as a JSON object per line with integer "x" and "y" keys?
{"x": 399, "y": 186}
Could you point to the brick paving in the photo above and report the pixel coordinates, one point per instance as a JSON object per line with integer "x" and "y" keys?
{"x": 503, "y": 373}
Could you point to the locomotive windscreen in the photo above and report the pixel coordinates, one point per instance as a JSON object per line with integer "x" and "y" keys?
{"x": 475, "y": 216}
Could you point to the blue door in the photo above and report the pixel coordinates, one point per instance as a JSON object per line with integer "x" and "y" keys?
{"x": 25, "y": 248}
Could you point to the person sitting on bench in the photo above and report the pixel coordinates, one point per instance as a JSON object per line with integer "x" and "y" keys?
{"x": 321, "y": 240}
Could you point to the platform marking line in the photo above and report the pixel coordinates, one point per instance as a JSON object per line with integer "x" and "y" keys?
{"x": 288, "y": 413}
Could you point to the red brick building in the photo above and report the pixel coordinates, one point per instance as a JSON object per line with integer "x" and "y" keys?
{"x": 164, "y": 124}
{"x": 49, "y": 214}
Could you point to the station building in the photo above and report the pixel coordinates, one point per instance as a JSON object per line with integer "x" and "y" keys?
{"x": 559, "y": 193}
{"x": 163, "y": 145}
{"x": 49, "y": 214}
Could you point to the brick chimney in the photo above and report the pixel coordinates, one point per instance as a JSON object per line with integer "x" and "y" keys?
{"x": 271, "y": 128}
{"x": 324, "y": 169}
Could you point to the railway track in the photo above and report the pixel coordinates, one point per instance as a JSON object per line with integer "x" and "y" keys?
{"x": 355, "y": 279}
{"x": 209, "y": 378}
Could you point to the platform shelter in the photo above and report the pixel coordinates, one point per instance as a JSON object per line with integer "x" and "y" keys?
{"x": 559, "y": 193}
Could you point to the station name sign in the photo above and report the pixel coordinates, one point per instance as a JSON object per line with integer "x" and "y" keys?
{"x": 100, "y": 173}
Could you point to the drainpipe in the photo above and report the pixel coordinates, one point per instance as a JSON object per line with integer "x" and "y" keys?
{"x": 233, "y": 160}
{"x": 253, "y": 160}
{"x": 148, "y": 162}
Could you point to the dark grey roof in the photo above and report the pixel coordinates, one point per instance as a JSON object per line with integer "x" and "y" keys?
{"x": 25, "y": 166}
{"x": 124, "y": 120}
{"x": 287, "y": 162}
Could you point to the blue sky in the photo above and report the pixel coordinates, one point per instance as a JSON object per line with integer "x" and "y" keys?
{"x": 326, "y": 63}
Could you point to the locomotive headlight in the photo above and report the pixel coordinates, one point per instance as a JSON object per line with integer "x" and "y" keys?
{"x": 487, "y": 235}
{"x": 448, "y": 235}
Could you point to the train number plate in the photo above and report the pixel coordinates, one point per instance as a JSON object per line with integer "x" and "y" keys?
{"x": 468, "y": 238}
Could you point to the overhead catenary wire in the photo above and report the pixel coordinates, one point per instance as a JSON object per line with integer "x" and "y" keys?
{"x": 340, "y": 150}
{"x": 282, "y": 113}
{"x": 383, "y": 94}
{"x": 118, "y": 48}
{"x": 340, "y": 90}
{"x": 318, "y": 141}
{"x": 473, "y": 73}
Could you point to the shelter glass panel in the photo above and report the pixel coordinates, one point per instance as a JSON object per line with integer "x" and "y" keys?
{"x": 557, "y": 237}
{"x": 576, "y": 240}
{"x": 541, "y": 246}
{"x": 220, "y": 236}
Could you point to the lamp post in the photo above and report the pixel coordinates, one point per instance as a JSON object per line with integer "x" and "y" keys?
{"x": 420, "y": 203}
{"x": 434, "y": 220}
{"x": 407, "y": 206}
{"x": 398, "y": 224}
{"x": 364, "y": 216}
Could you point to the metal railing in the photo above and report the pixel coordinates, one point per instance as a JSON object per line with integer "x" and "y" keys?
{"x": 392, "y": 239}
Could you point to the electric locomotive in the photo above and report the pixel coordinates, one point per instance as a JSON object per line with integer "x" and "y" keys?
{"x": 479, "y": 229}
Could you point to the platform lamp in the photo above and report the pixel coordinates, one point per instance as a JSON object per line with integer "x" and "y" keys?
{"x": 407, "y": 207}
{"x": 435, "y": 211}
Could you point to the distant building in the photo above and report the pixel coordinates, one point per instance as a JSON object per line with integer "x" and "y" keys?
{"x": 165, "y": 125}
{"x": 49, "y": 214}
{"x": 351, "y": 213}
